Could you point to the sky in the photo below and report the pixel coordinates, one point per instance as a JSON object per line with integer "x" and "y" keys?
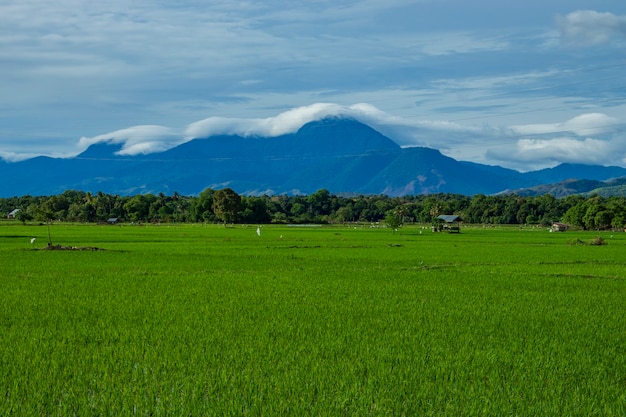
{"x": 521, "y": 84}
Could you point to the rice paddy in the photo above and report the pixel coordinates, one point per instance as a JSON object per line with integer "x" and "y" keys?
{"x": 346, "y": 320}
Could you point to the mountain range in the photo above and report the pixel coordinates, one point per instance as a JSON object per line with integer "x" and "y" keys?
{"x": 341, "y": 155}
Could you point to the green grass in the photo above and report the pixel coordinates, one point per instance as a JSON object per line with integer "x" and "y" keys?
{"x": 206, "y": 320}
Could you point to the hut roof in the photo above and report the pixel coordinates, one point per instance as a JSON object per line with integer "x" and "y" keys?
{"x": 449, "y": 218}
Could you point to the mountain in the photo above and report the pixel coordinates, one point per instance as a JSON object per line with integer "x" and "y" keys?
{"x": 561, "y": 188}
{"x": 341, "y": 155}
{"x": 100, "y": 151}
{"x": 585, "y": 187}
{"x": 578, "y": 171}
{"x": 613, "y": 187}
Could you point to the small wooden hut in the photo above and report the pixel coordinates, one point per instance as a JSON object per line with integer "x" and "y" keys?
{"x": 450, "y": 223}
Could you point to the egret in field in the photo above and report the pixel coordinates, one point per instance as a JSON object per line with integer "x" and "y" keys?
{"x": 258, "y": 230}
{"x": 32, "y": 241}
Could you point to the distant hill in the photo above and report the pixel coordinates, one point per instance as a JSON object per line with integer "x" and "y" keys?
{"x": 613, "y": 187}
{"x": 576, "y": 171}
{"x": 341, "y": 155}
{"x": 561, "y": 188}
{"x": 619, "y": 191}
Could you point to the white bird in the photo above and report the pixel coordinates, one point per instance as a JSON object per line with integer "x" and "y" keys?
{"x": 258, "y": 231}
{"x": 32, "y": 241}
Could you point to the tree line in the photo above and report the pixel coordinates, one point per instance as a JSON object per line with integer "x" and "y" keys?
{"x": 225, "y": 205}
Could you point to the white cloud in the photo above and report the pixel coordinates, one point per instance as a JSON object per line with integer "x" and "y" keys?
{"x": 287, "y": 122}
{"x": 589, "y": 27}
{"x": 531, "y": 154}
{"x": 563, "y": 149}
{"x": 138, "y": 139}
{"x": 536, "y": 153}
{"x": 151, "y": 138}
{"x": 582, "y": 125}
{"x": 15, "y": 157}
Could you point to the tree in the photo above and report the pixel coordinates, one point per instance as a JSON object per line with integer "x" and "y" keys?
{"x": 254, "y": 210}
{"x": 393, "y": 220}
{"x": 603, "y": 219}
{"x": 593, "y": 205}
{"x": 298, "y": 209}
{"x": 201, "y": 208}
{"x": 23, "y": 216}
{"x": 343, "y": 214}
{"x": 55, "y": 207}
{"x": 319, "y": 203}
{"x": 402, "y": 211}
{"x": 574, "y": 215}
{"x": 138, "y": 207}
{"x": 226, "y": 205}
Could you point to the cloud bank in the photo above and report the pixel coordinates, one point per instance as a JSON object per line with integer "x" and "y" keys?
{"x": 149, "y": 139}
{"x": 592, "y": 138}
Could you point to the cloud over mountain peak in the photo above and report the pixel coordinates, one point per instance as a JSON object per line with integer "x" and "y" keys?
{"x": 146, "y": 139}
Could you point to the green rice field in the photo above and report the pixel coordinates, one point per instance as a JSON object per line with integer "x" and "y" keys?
{"x": 207, "y": 320}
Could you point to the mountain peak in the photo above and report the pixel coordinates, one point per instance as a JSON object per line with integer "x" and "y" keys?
{"x": 336, "y": 124}
{"x": 344, "y": 134}
{"x": 101, "y": 150}
{"x": 330, "y": 121}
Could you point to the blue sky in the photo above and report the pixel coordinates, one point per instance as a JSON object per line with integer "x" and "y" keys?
{"x": 525, "y": 85}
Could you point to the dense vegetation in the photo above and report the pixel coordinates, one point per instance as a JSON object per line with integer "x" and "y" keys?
{"x": 202, "y": 320}
{"x": 225, "y": 205}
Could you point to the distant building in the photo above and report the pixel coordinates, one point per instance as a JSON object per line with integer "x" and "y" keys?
{"x": 112, "y": 220}
{"x": 450, "y": 223}
{"x": 559, "y": 227}
{"x": 12, "y": 214}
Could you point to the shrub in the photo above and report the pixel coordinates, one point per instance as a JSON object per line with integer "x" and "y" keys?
{"x": 597, "y": 241}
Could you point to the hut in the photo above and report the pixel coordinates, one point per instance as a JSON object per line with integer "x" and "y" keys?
{"x": 558, "y": 227}
{"x": 450, "y": 223}
{"x": 13, "y": 214}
